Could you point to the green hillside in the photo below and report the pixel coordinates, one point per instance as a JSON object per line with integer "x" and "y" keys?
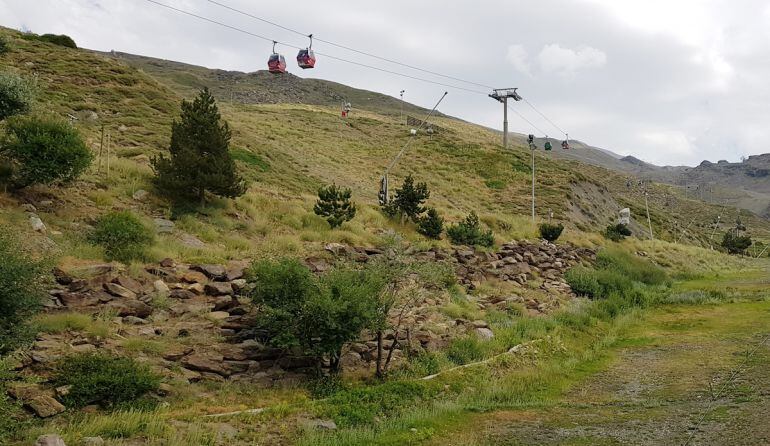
{"x": 288, "y": 150}
{"x": 175, "y": 345}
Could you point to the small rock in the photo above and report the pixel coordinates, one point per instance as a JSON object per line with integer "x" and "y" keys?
{"x": 219, "y": 315}
{"x": 29, "y": 207}
{"x": 320, "y": 424}
{"x": 45, "y": 406}
{"x": 191, "y": 241}
{"x": 133, "y": 320}
{"x": 219, "y": 289}
{"x": 168, "y": 262}
{"x": 480, "y": 324}
{"x": 140, "y": 195}
{"x": 63, "y": 391}
{"x": 213, "y": 272}
{"x": 160, "y": 286}
{"x": 164, "y": 226}
{"x": 196, "y": 288}
{"x": 92, "y": 441}
{"x": 131, "y": 308}
{"x": 336, "y": 248}
{"x": 164, "y": 389}
{"x": 36, "y": 223}
{"x": 50, "y": 440}
{"x": 119, "y": 291}
{"x": 193, "y": 277}
{"x": 485, "y": 333}
{"x": 200, "y": 363}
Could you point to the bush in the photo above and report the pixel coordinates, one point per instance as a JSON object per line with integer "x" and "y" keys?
{"x": 617, "y": 232}
{"x": 20, "y": 293}
{"x": 431, "y": 225}
{"x": 551, "y": 232}
{"x": 56, "y": 39}
{"x": 469, "y": 232}
{"x": 16, "y": 95}
{"x": 735, "y": 244}
{"x": 104, "y": 379}
{"x": 408, "y": 200}
{"x": 122, "y": 235}
{"x": 4, "y": 45}
{"x": 319, "y": 316}
{"x": 334, "y": 205}
{"x": 44, "y": 151}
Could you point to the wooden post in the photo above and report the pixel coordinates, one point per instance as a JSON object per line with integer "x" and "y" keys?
{"x": 101, "y": 152}
{"x": 109, "y": 140}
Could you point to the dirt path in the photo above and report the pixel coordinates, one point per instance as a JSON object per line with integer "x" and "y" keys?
{"x": 671, "y": 374}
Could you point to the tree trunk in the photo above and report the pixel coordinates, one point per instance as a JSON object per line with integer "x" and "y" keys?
{"x": 393, "y": 346}
{"x": 379, "y": 354}
{"x": 334, "y": 362}
{"x": 202, "y": 196}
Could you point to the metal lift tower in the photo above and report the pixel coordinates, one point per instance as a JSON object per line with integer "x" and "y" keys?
{"x": 502, "y": 95}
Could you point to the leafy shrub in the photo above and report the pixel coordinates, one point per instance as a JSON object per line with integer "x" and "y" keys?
{"x": 469, "y": 232}
{"x": 431, "y": 225}
{"x": 550, "y": 231}
{"x": 317, "y": 315}
{"x": 409, "y": 199}
{"x": 617, "y": 232}
{"x": 122, "y": 235}
{"x": 20, "y": 293}
{"x": 4, "y": 45}
{"x": 583, "y": 281}
{"x": 44, "y": 151}
{"x": 104, "y": 379}
{"x": 735, "y": 244}
{"x": 56, "y": 39}
{"x": 16, "y": 95}
{"x": 334, "y": 205}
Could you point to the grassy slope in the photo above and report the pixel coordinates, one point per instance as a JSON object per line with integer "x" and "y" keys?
{"x": 288, "y": 150}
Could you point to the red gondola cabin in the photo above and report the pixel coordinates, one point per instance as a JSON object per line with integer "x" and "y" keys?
{"x": 306, "y": 59}
{"x": 276, "y": 64}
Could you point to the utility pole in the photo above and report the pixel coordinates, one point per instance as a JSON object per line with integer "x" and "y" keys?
{"x": 531, "y": 141}
{"x": 649, "y": 222}
{"x": 401, "y": 93}
{"x": 502, "y": 95}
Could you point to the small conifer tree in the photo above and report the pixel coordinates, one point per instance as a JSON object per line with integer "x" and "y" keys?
{"x": 200, "y": 160}
{"x": 409, "y": 200}
{"x": 431, "y": 225}
{"x": 334, "y": 205}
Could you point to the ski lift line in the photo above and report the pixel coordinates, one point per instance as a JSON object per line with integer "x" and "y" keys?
{"x": 409, "y": 141}
{"x": 545, "y": 117}
{"x": 364, "y": 53}
{"x": 234, "y": 28}
{"x": 527, "y": 121}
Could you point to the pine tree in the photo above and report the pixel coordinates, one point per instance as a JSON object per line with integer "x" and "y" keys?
{"x": 409, "y": 199}
{"x": 199, "y": 157}
{"x": 334, "y": 204}
{"x": 431, "y": 225}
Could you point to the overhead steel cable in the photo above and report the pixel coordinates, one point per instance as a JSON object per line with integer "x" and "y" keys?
{"x": 384, "y": 70}
{"x": 347, "y": 48}
{"x": 527, "y": 121}
{"x": 544, "y": 116}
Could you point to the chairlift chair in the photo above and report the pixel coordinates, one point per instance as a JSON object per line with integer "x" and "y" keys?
{"x": 306, "y": 57}
{"x": 565, "y": 143}
{"x": 547, "y": 145}
{"x": 277, "y": 63}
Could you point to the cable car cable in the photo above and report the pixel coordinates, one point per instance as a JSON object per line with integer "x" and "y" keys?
{"x": 409, "y": 141}
{"x": 347, "y": 47}
{"x": 234, "y": 28}
{"x": 544, "y": 116}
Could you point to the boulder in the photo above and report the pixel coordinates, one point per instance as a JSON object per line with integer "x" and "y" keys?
{"x": 164, "y": 226}
{"x": 128, "y": 283}
{"x": 45, "y": 406}
{"x": 36, "y": 223}
{"x": 219, "y": 289}
{"x": 168, "y": 263}
{"x": 181, "y": 294}
{"x": 317, "y": 264}
{"x": 337, "y": 249}
{"x": 206, "y": 363}
{"x": 191, "y": 241}
{"x": 485, "y": 333}
{"x": 193, "y": 277}
{"x": 50, "y": 440}
{"x": 119, "y": 291}
{"x": 140, "y": 195}
{"x": 160, "y": 287}
{"x": 213, "y": 272}
{"x": 130, "y": 307}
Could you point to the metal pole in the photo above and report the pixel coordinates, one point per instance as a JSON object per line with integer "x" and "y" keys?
{"x": 533, "y": 185}
{"x": 505, "y": 123}
{"x": 649, "y": 222}
{"x": 402, "y": 106}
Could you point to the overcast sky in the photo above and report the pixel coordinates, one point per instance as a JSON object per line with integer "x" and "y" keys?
{"x": 669, "y": 81}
